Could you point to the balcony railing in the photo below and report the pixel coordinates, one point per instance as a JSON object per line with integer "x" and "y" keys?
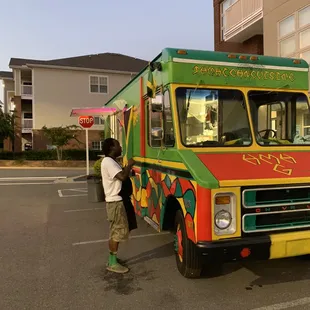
{"x": 241, "y": 15}
{"x": 27, "y": 125}
{"x": 27, "y": 90}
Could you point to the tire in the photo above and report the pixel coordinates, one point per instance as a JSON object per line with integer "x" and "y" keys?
{"x": 188, "y": 261}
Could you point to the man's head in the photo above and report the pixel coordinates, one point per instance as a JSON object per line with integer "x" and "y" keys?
{"x": 111, "y": 147}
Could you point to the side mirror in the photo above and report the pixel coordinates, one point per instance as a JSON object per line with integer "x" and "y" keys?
{"x": 157, "y": 133}
{"x": 157, "y": 107}
{"x": 157, "y": 104}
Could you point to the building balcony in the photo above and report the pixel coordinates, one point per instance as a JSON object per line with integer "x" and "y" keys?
{"x": 26, "y": 91}
{"x": 27, "y": 125}
{"x": 242, "y": 20}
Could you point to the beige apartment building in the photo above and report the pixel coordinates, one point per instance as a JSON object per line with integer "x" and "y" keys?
{"x": 43, "y": 93}
{"x": 269, "y": 27}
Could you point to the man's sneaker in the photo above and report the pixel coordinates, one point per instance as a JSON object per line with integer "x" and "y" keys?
{"x": 118, "y": 268}
{"x": 120, "y": 261}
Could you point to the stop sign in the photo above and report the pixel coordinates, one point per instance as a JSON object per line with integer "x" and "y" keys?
{"x": 86, "y": 121}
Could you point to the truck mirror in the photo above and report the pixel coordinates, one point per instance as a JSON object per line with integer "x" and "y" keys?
{"x": 157, "y": 133}
{"x": 157, "y": 107}
{"x": 157, "y": 104}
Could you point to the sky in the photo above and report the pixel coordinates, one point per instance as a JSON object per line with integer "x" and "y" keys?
{"x": 51, "y": 29}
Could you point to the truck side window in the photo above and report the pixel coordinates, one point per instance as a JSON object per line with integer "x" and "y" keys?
{"x": 169, "y": 139}
{"x": 155, "y": 119}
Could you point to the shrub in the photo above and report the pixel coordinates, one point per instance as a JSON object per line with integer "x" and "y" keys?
{"x": 97, "y": 167}
{"x": 72, "y": 154}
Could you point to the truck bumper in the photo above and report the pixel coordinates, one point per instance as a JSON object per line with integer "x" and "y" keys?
{"x": 258, "y": 248}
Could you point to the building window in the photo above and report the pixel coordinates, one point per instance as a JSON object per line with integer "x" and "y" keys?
{"x": 225, "y": 5}
{"x": 98, "y": 120}
{"x": 98, "y": 84}
{"x": 304, "y": 39}
{"x": 306, "y": 56}
{"x": 287, "y": 46}
{"x": 96, "y": 145}
{"x": 287, "y": 26}
{"x": 304, "y": 16}
{"x": 294, "y": 34}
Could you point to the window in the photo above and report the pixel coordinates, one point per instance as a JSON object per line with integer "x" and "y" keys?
{"x": 211, "y": 117}
{"x": 98, "y": 120}
{"x": 98, "y": 84}
{"x": 294, "y": 34}
{"x": 96, "y": 145}
{"x": 287, "y": 26}
{"x": 306, "y": 56}
{"x": 279, "y": 117}
{"x": 226, "y": 4}
{"x": 304, "y": 39}
{"x": 169, "y": 138}
{"x": 287, "y": 46}
{"x": 304, "y": 16}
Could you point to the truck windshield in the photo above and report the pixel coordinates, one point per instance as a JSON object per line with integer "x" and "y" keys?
{"x": 212, "y": 117}
{"x": 280, "y": 118}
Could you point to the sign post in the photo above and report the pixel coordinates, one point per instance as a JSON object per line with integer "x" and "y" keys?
{"x": 86, "y": 122}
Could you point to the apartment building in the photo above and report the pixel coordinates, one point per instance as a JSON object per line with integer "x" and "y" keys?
{"x": 269, "y": 27}
{"x": 238, "y": 26}
{"x": 43, "y": 93}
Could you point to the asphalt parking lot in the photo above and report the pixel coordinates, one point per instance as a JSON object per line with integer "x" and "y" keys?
{"x": 54, "y": 250}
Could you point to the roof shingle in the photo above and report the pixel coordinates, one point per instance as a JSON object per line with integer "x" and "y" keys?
{"x": 104, "y": 61}
{"x": 6, "y": 74}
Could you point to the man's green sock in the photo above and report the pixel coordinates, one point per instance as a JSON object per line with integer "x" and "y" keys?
{"x": 112, "y": 258}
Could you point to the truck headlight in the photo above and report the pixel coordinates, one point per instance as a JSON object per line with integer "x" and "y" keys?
{"x": 223, "y": 219}
{"x": 224, "y": 213}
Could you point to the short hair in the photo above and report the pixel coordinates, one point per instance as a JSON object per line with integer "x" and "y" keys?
{"x": 107, "y": 145}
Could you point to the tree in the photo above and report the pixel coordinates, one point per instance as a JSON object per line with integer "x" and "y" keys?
{"x": 61, "y": 136}
{"x": 7, "y": 126}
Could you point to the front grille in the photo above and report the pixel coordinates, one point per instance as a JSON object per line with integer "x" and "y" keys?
{"x": 275, "y": 209}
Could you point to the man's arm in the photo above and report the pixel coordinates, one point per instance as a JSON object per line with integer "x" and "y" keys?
{"x": 124, "y": 174}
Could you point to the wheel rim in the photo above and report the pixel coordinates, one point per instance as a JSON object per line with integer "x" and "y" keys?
{"x": 178, "y": 243}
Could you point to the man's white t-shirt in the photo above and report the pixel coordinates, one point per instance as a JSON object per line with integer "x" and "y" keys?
{"x": 112, "y": 186}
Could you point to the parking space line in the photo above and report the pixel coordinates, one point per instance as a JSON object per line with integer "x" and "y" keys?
{"x": 81, "y": 192}
{"x": 31, "y": 178}
{"x": 286, "y": 305}
{"x": 28, "y": 183}
{"x": 132, "y": 237}
{"x": 81, "y": 210}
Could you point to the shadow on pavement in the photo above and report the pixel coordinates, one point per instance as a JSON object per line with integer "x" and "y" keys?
{"x": 165, "y": 250}
{"x": 279, "y": 271}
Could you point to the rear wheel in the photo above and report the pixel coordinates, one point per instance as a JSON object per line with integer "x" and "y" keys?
{"x": 188, "y": 261}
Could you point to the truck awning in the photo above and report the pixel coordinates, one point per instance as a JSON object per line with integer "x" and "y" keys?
{"x": 104, "y": 111}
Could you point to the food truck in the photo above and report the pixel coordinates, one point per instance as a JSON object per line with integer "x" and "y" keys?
{"x": 222, "y": 149}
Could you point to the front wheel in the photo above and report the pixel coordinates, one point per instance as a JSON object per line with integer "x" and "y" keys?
{"x": 188, "y": 261}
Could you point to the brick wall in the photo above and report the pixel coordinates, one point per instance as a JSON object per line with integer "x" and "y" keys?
{"x": 254, "y": 45}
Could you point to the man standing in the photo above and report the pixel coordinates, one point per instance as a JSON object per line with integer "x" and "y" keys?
{"x": 112, "y": 177}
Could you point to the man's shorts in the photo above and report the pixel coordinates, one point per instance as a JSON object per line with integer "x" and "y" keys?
{"x": 117, "y": 216}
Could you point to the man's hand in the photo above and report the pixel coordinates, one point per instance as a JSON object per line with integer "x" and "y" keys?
{"x": 131, "y": 162}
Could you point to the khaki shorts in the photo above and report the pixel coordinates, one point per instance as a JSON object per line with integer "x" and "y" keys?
{"x": 117, "y": 216}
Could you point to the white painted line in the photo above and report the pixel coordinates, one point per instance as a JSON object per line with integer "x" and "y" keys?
{"x": 15, "y": 183}
{"x": 132, "y": 237}
{"x": 77, "y": 195}
{"x": 286, "y": 305}
{"x": 61, "y": 192}
{"x": 82, "y": 190}
{"x": 30, "y": 178}
{"x": 82, "y": 210}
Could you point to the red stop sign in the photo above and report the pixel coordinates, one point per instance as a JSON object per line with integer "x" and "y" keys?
{"x": 86, "y": 121}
